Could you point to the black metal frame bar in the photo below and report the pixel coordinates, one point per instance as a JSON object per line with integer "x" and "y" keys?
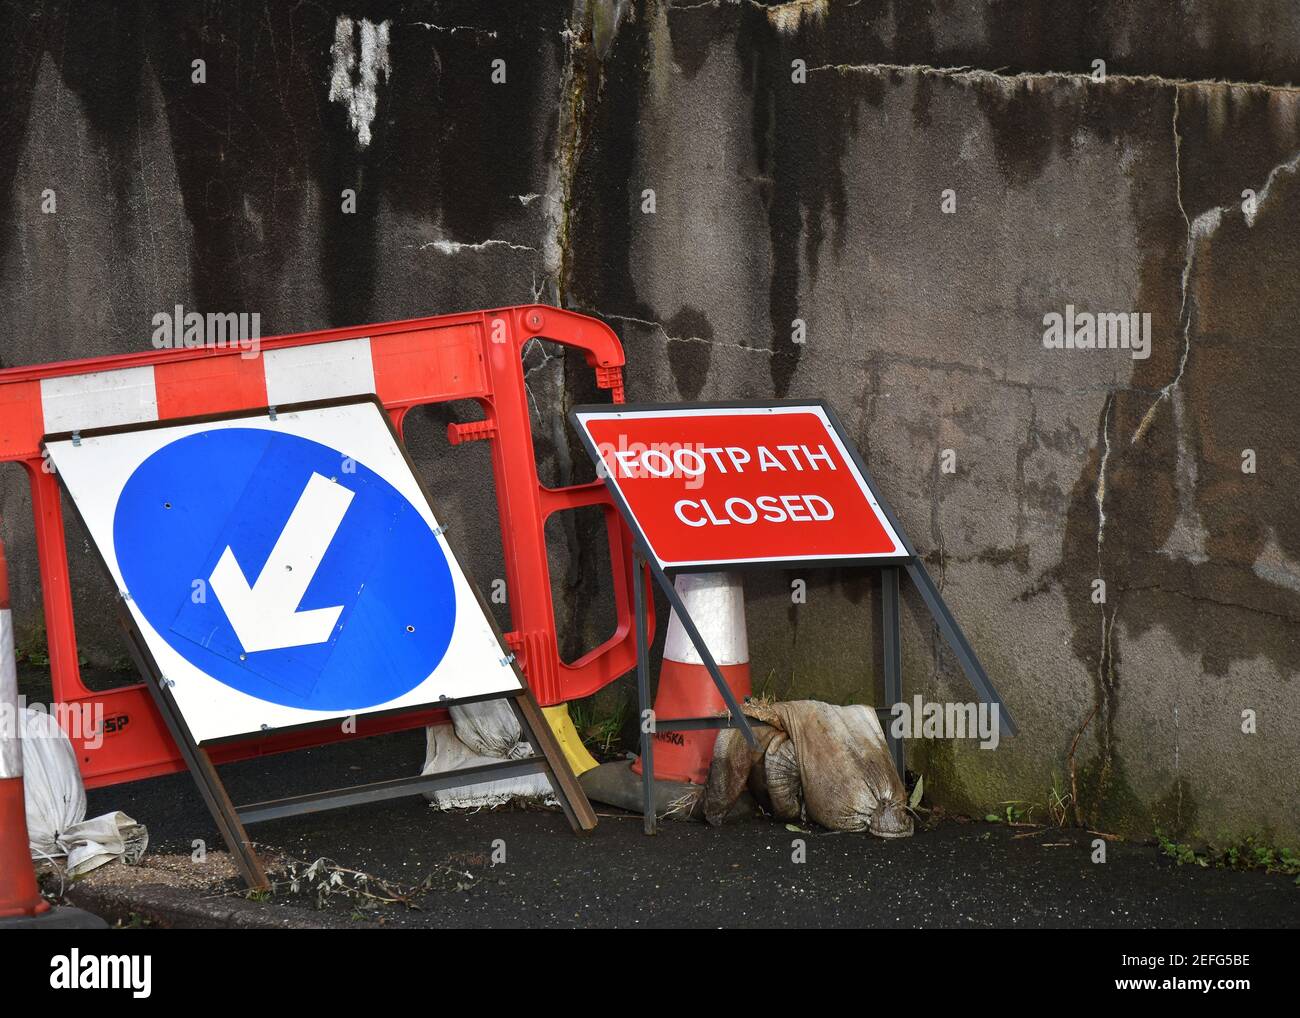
{"x": 891, "y": 633}
{"x": 890, "y": 608}
{"x": 378, "y": 791}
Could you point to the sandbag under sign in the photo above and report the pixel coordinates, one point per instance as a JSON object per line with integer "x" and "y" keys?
{"x": 815, "y": 761}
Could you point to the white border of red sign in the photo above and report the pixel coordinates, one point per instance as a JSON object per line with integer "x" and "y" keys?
{"x": 645, "y": 411}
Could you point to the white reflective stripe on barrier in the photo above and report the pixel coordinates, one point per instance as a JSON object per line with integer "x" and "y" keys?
{"x": 716, "y": 602}
{"x": 295, "y": 374}
{"x": 100, "y": 399}
{"x": 11, "y": 750}
{"x": 318, "y": 371}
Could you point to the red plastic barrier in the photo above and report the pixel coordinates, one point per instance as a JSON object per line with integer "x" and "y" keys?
{"x": 476, "y": 355}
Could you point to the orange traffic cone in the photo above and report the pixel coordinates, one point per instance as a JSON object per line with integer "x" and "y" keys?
{"x": 716, "y": 602}
{"x": 19, "y": 895}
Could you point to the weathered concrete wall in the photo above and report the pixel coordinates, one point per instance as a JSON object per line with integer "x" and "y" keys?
{"x": 228, "y": 195}
{"x": 775, "y": 200}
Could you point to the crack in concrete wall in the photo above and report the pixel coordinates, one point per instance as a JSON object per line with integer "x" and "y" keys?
{"x": 485, "y": 33}
{"x": 1204, "y": 226}
{"x": 452, "y": 247}
{"x": 1007, "y": 81}
{"x": 660, "y": 328}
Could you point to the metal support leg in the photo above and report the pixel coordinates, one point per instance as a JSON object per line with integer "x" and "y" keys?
{"x": 643, "y": 697}
{"x": 889, "y": 616}
{"x": 957, "y": 643}
{"x": 534, "y": 727}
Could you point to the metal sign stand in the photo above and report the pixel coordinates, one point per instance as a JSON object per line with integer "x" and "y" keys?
{"x": 230, "y": 819}
{"x": 890, "y": 618}
{"x": 547, "y": 756}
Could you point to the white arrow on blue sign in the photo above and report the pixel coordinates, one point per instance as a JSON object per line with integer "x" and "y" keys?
{"x": 265, "y": 615}
{"x": 283, "y": 570}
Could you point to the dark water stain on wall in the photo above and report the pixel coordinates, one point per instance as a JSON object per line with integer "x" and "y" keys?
{"x": 26, "y": 34}
{"x": 598, "y": 269}
{"x": 1021, "y": 119}
{"x": 1247, "y": 40}
{"x": 1033, "y": 120}
{"x": 1041, "y": 36}
{"x": 690, "y": 350}
{"x": 108, "y": 88}
{"x": 605, "y": 100}
{"x": 800, "y": 157}
{"x": 450, "y": 129}
{"x": 1236, "y": 394}
{"x": 1099, "y": 539}
{"x": 1232, "y": 138}
{"x": 260, "y": 137}
{"x": 250, "y": 150}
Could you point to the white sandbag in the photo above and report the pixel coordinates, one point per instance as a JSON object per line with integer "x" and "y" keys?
{"x": 733, "y": 769}
{"x": 782, "y": 779}
{"x": 52, "y": 790}
{"x": 489, "y": 728}
{"x": 823, "y": 763}
{"x": 848, "y": 779}
{"x": 55, "y": 801}
{"x": 92, "y": 843}
{"x": 481, "y": 733}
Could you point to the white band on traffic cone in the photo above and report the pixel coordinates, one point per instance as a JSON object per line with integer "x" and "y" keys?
{"x": 716, "y": 603}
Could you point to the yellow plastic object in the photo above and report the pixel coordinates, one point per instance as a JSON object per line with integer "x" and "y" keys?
{"x": 567, "y": 736}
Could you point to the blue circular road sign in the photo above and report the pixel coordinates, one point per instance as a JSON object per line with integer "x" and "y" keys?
{"x": 285, "y": 570}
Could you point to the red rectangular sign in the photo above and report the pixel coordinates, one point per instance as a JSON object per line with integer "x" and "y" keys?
{"x": 738, "y": 484}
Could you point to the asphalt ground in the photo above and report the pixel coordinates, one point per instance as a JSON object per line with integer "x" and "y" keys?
{"x": 448, "y": 869}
